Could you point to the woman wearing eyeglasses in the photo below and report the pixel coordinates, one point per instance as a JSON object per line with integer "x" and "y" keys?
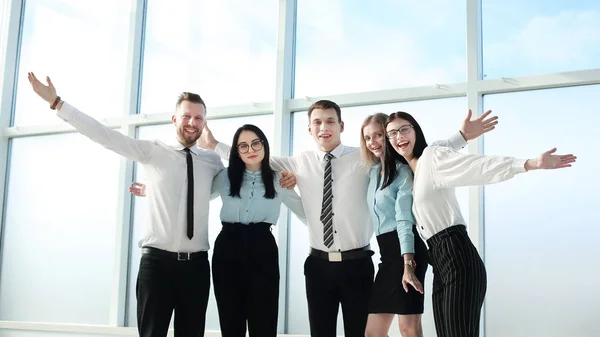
{"x": 398, "y": 286}
{"x": 459, "y": 281}
{"x": 245, "y": 261}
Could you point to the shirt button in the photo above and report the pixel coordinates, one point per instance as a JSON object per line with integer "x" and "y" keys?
{"x": 422, "y": 227}
{"x": 335, "y": 232}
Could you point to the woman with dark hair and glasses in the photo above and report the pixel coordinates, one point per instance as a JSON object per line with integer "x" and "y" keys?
{"x": 459, "y": 282}
{"x": 403, "y": 252}
{"x": 245, "y": 259}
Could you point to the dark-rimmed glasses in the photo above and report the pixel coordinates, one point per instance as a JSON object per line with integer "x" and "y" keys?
{"x": 256, "y": 145}
{"x": 402, "y": 130}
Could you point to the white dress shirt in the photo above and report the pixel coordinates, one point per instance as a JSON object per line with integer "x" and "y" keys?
{"x": 166, "y": 189}
{"x": 439, "y": 171}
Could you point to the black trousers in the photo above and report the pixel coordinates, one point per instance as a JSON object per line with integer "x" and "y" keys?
{"x": 164, "y": 284}
{"x": 459, "y": 283}
{"x": 329, "y": 284}
{"x": 246, "y": 280}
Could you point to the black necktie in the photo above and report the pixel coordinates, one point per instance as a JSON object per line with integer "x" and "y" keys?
{"x": 190, "y": 193}
{"x": 326, "y": 209}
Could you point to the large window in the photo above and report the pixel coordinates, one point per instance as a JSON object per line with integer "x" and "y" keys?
{"x": 73, "y": 42}
{"x": 439, "y": 119}
{"x": 352, "y": 46}
{"x": 535, "y": 37}
{"x": 541, "y": 227}
{"x": 223, "y": 129}
{"x": 223, "y": 50}
{"x": 59, "y": 231}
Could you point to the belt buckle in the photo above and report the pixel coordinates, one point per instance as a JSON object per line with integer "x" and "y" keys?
{"x": 334, "y": 256}
{"x": 184, "y": 256}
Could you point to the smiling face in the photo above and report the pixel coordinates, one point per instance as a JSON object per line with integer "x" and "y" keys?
{"x": 403, "y": 140}
{"x": 189, "y": 121}
{"x": 325, "y": 128}
{"x": 252, "y": 145}
{"x": 374, "y": 138}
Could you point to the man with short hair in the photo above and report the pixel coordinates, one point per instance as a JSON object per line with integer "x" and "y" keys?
{"x": 174, "y": 272}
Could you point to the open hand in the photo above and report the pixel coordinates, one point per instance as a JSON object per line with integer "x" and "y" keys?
{"x": 472, "y": 129}
{"x": 46, "y": 92}
{"x": 550, "y": 161}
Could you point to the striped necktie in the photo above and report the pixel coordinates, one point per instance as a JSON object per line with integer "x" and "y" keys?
{"x": 326, "y": 210}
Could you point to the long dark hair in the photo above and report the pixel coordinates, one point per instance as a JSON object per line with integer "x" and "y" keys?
{"x": 236, "y": 168}
{"x": 420, "y": 142}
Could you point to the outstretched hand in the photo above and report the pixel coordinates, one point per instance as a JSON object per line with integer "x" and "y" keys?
{"x": 472, "y": 129}
{"x": 46, "y": 92}
{"x": 207, "y": 140}
{"x": 550, "y": 161}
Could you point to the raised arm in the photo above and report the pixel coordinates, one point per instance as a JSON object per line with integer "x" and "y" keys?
{"x": 453, "y": 169}
{"x": 138, "y": 150}
{"x": 208, "y": 141}
{"x": 469, "y": 130}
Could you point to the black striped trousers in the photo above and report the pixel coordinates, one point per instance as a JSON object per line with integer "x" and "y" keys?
{"x": 459, "y": 283}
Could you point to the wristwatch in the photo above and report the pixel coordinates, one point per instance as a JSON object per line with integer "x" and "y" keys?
{"x": 411, "y": 263}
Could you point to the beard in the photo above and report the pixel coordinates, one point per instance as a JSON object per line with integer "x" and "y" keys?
{"x": 186, "y": 139}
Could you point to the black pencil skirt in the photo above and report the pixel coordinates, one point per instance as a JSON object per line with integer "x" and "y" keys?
{"x": 388, "y": 295}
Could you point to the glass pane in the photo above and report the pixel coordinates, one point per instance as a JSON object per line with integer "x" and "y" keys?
{"x": 70, "y": 40}
{"x": 353, "y": 46}
{"x": 223, "y": 129}
{"x": 58, "y": 239}
{"x": 541, "y": 227}
{"x": 223, "y": 50}
{"x": 537, "y": 37}
{"x": 439, "y": 119}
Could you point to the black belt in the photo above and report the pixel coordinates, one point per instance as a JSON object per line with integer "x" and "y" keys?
{"x": 342, "y": 256}
{"x": 173, "y": 255}
{"x": 228, "y": 226}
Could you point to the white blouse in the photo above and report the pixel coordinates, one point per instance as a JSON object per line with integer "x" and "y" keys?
{"x": 439, "y": 171}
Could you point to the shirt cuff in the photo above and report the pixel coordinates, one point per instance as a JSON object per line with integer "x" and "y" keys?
{"x": 519, "y": 165}
{"x": 66, "y": 111}
{"x": 457, "y": 141}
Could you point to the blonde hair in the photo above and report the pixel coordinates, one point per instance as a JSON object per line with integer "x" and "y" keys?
{"x": 367, "y": 156}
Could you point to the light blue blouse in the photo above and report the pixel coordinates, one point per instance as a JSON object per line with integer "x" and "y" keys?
{"x": 253, "y": 207}
{"x": 391, "y": 208}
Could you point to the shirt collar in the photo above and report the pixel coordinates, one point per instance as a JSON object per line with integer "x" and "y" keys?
{"x": 337, "y": 152}
{"x": 179, "y": 147}
{"x": 252, "y": 173}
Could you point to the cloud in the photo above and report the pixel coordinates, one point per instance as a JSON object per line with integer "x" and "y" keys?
{"x": 352, "y": 47}
{"x": 225, "y": 51}
{"x": 569, "y": 40}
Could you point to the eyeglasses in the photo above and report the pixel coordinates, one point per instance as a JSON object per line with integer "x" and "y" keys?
{"x": 256, "y": 145}
{"x": 403, "y": 130}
